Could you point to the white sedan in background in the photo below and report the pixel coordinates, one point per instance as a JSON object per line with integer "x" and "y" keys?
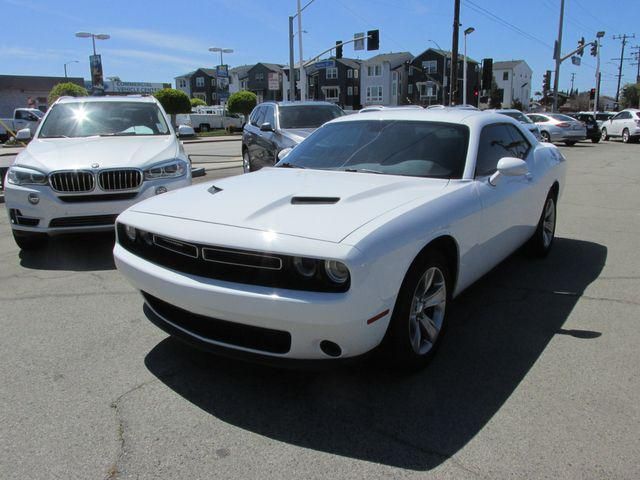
{"x": 89, "y": 160}
{"x": 358, "y": 238}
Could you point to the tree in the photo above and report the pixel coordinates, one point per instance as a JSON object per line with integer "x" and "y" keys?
{"x": 517, "y": 104}
{"x": 242, "y": 102}
{"x": 66, "y": 89}
{"x": 630, "y": 95}
{"x": 198, "y": 102}
{"x": 173, "y": 101}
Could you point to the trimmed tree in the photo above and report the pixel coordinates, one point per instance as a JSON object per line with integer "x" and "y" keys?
{"x": 630, "y": 95}
{"x": 66, "y": 89}
{"x": 242, "y": 102}
{"x": 198, "y": 102}
{"x": 173, "y": 101}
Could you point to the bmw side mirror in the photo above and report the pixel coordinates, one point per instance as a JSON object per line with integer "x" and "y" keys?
{"x": 284, "y": 152}
{"x": 509, "y": 167}
{"x": 185, "y": 131}
{"x": 24, "y": 134}
{"x": 266, "y": 127}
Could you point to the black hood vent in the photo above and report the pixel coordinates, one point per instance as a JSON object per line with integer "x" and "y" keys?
{"x": 314, "y": 200}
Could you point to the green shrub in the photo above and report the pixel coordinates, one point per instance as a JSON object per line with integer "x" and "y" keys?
{"x": 66, "y": 89}
{"x": 242, "y": 102}
{"x": 198, "y": 102}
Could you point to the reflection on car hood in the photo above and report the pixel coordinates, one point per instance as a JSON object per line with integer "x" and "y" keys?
{"x": 263, "y": 201}
{"x": 297, "y": 134}
{"x": 52, "y": 154}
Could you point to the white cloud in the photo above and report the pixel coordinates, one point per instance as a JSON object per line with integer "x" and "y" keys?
{"x": 165, "y": 41}
{"x": 163, "y": 58}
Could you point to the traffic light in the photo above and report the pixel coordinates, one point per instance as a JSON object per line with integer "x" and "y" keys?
{"x": 339, "y": 49}
{"x": 594, "y": 49}
{"x": 592, "y": 94}
{"x": 475, "y": 92}
{"x": 487, "y": 73}
{"x": 373, "y": 40}
{"x": 546, "y": 84}
{"x": 581, "y": 46}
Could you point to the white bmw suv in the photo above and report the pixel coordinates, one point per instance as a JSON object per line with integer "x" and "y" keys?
{"x": 90, "y": 159}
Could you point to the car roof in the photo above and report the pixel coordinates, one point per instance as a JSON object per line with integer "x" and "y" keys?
{"x": 114, "y": 98}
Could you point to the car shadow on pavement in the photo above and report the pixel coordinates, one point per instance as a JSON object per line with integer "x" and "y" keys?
{"x": 80, "y": 253}
{"x": 497, "y": 331}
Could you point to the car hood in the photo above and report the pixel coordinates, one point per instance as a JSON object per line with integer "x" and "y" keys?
{"x": 108, "y": 152}
{"x": 297, "y": 134}
{"x": 316, "y": 204}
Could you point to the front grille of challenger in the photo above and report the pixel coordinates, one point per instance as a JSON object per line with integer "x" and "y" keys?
{"x": 221, "y": 263}
{"x": 74, "y": 181}
{"x": 223, "y": 331}
{"x": 123, "y": 179}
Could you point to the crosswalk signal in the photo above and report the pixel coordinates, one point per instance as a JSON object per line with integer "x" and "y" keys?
{"x": 338, "y": 49}
{"x": 373, "y": 40}
{"x": 546, "y": 84}
{"x": 581, "y": 46}
{"x": 592, "y": 94}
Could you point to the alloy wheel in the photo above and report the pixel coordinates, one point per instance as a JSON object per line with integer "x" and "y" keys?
{"x": 545, "y": 137}
{"x": 246, "y": 162}
{"x": 603, "y": 135}
{"x": 625, "y": 136}
{"x": 427, "y": 311}
{"x": 549, "y": 222}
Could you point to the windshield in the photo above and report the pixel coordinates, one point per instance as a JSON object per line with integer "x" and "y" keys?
{"x": 603, "y": 116}
{"x": 561, "y": 118}
{"x": 519, "y": 116}
{"x": 393, "y": 147}
{"x": 307, "y": 116}
{"x": 37, "y": 113}
{"x": 86, "y": 119}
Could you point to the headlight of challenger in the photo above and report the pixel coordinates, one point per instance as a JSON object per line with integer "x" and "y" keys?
{"x": 170, "y": 169}
{"x": 25, "y": 176}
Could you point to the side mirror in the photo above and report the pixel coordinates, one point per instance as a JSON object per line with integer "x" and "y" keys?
{"x": 284, "y": 152}
{"x": 266, "y": 127}
{"x": 24, "y": 134}
{"x": 185, "y": 131}
{"x": 509, "y": 167}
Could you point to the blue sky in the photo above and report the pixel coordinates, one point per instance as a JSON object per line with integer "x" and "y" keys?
{"x": 155, "y": 41}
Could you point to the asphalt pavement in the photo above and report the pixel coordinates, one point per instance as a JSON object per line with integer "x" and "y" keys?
{"x": 537, "y": 377}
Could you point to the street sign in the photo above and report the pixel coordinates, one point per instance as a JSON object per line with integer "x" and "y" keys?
{"x": 325, "y": 64}
{"x": 575, "y": 60}
{"x": 97, "y": 80}
{"x": 274, "y": 81}
{"x": 359, "y": 41}
{"x": 222, "y": 71}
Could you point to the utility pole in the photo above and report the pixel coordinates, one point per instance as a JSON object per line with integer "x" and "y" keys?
{"x": 303, "y": 79}
{"x": 292, "y": 67}
{"x": 599, "y": 35}
{"x": 624, "y": 37}
{"x": 557, "y": 54}
{"x": 636, "y": 54}
{"x": 453, "y": 88}
{"x": 573, "y": 76}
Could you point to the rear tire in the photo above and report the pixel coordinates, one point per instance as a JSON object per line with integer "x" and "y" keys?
{"x": 204, "y": 128}
{"x": 246, "y": 162}
{"x": 603, "y": 135}
{"x": 595, "y": 139}
{"x": 540, "y": 243}
{"x": 545, "y": 137}
{"x": 30, "y": 241}
{"x": 419, "y": 316}
{"x": 625, "y": 136}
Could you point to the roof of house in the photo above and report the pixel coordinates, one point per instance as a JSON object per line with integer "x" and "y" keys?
{"x": 507, "y": 65}
{"x": 38, "y": 83}
{"x": 274, "y": 67}
{"x": 350, "y": 62}
{"x": 394, "y": 59}
{"x": 186, "y": 75}
{"x": 447, "y": 53}
{"x": 241, "y": 70}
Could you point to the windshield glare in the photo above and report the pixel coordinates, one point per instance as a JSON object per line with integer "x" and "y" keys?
{"x": 86, "y": 119}
{"x": 307, "y": 116}
{"x": 562, "y": 118}
{"x": 413, "y": 148}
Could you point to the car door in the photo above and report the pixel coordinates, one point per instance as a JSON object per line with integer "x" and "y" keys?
{"x": 617, "y": 124}
{"x": 21, "y": 119}
{"x": 510, "y": 209}
{"x": 252, "y": 132}
{"x": 265, "y": 140}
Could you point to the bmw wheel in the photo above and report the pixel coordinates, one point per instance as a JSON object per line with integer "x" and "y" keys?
{"x": 625, "y": 136}
{"x": 603, "y": 135}
{"x": 246, "y": 162}
{"x": 419, "y": 316}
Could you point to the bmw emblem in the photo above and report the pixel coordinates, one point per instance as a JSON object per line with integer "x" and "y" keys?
{"x": 95, "y": 165}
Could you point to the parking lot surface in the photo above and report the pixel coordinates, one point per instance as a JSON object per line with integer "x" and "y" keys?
{"x": 537, "y": 378}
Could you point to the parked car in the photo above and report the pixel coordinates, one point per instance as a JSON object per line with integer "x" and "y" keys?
{"x": 625, "y": 125}
{"x": 590, "y": 122}
{"x": 556, "y": 127}
{"x": 274, "y": 126}
{"x": 211, "y": 120}
{"x": 360, "y": 237}
{"x": 22, "y": 118}
{"x": 90, "y": 159}
{"x": 602, "y": 117}
{"x": 522, "y": 118}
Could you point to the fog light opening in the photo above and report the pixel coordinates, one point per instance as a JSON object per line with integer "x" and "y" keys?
{"x": 330, "y": 348}
{"x": 33, "y": 198}
{"x": 160, "y": 190}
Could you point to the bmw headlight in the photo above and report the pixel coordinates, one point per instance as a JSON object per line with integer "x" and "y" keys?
{"x": 25, "y": 176}
{"x": 170, "y": 169}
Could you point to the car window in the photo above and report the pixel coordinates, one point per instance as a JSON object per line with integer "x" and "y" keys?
{"x": 520, "y": 146}
{"x": 496, "y": 142}
{"x": 562, "y": 118}
{"x": 269, "y": 116}
{"x": 307, "y": 116}
{"x": 259, "y": 116}
{"x": 619, "y": 116}
{"x": 519, "y": 116}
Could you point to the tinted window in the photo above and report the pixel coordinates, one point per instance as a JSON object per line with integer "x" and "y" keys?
{"x": 259, "y": 116}
{"x": 561, "y": 118}
{"x": 104, "y": 118}
{"x": 519, "y": 116}
{"x": 520, "y": 146}
{"x": 269, "y": 116}
{"x": 496, "y": 142}
{"x": 603, "y": 116}
{"x": 421, "y": 149}
{"x": 307, "y": 116}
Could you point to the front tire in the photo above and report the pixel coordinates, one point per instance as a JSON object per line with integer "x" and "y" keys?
{"x": 603, "y": 135}
{"x": 419, "y": 316}
{"x": 30, "y": 241}
{"x": 625, "y": 136}
{"x": 595, "y": 139}
{"x": 246, "y": 162}
{"x": 545, "y": 137}
{"x": 542, "y": 240}
{"x": 570, "y": 143}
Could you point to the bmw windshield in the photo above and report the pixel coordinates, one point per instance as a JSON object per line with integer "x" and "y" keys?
{"x": 412, "y": 148}
{"x": 108, "y": 119}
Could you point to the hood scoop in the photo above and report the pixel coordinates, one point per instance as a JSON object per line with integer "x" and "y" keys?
{"x": 314, "y": 200}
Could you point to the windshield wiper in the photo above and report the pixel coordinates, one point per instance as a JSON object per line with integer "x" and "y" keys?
{"x": 289, "y": 165}
{"x": 362, "y": 170}
{"x": 117, "y": 134}
{"x": 54, "y": 136}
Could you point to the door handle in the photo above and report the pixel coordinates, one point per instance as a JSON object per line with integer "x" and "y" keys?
{"x": 529, "y": 177}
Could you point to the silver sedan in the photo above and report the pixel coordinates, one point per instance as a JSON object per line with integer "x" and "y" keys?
{"x": 555, "y": 127}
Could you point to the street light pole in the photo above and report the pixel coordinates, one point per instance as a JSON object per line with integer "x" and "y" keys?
{"x": 292, "y": 70}
{"x": 557, "y": 56}
{"x": 65, "y": 66}
{"x": 291, "y": 60}
{"x": 464, "y": 70}
{"x": 599, "y": 35}
{"x": 221, "y": 50}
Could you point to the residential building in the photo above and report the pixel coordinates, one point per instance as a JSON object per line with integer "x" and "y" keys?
{"x": 513, "y": 79}
{"x": 203, "y": 84}
{"x": 335, "y": 80}
{"x": 28, "y": 91}
{"x": 183, "y": 83}
{"x": 265, "y": 80}
{"x": 429, "y": 74}
{"x": 239, "y": 78}
{"x": 382, "y": 78}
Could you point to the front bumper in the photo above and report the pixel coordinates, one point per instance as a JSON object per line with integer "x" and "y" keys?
{"x": 561, "y": 135}
{"x": 307, "y": 318}
{"x": 51, "y": 215}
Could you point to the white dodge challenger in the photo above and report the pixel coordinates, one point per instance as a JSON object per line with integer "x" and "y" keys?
{"x": 358, "y": 238}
